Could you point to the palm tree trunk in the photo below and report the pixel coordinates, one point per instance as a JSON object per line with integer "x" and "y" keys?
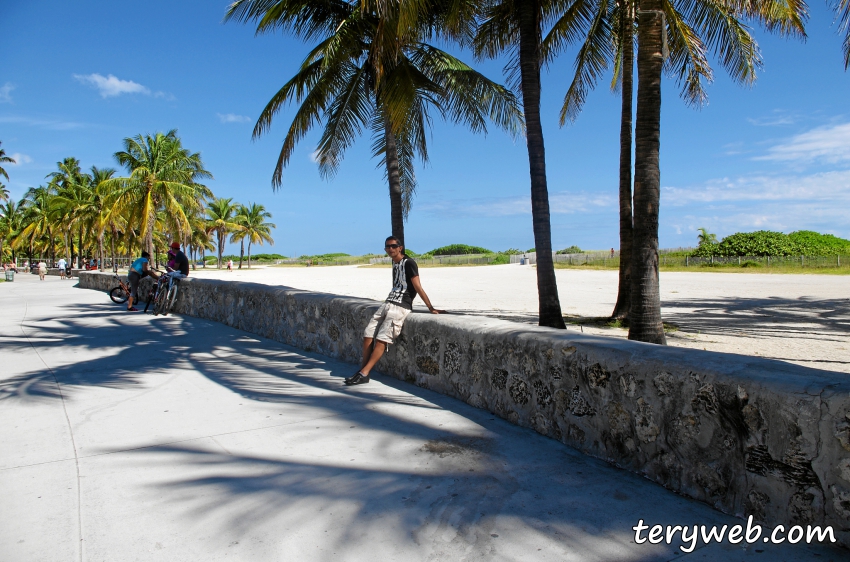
{"x": 80, "y": 248}
{"x": 396, "y": 206}
{"x": 621, "y": 309}
{"x": 100, "y": 251}
{"x": 529, "y": 60}
{"x": 249, "y": 253}
{"x": 645, "y": 317}
{"x": 52, "y": 247}
{"x": 220, "y": 247}
{"x": 71, "y": 244}
{"x": 114, "y": 261}
{"x": 241, "y": 252}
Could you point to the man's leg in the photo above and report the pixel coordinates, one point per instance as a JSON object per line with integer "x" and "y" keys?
{"x": 374, "y": 357}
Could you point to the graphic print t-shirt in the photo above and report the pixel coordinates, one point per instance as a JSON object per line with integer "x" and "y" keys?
{"x": 403, "y": 292}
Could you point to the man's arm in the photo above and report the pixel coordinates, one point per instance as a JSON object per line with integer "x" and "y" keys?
{"x": 418, "y": 286}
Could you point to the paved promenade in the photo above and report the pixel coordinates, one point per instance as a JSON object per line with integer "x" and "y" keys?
{"x": 132, "y": 437}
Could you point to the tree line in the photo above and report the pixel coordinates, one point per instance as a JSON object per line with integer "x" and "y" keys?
{"x": 373, "y": 65}
{"x": 100, "y": 213}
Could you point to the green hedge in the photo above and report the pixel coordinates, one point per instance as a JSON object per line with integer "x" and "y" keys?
{"x": 458, "y": 249}
{"x": 769, "y": 243}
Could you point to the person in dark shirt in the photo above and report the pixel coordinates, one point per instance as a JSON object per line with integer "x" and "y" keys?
{"x": 180, "y": 263}
{"x": 387, "y": 322}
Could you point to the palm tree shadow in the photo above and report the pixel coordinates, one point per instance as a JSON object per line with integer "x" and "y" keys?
{"x": 771, "y": 317}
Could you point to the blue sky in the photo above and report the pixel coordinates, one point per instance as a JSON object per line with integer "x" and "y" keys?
{"x": 78, "y": 77}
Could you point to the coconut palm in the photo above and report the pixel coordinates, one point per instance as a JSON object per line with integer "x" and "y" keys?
{"x": 163, "y": 176}
{"x": 842, "y": 12}
{"x": 71, "y": 187}
{"x": 4, "y": 193}
{"x": 608, "y": 29}
{"x": 515, "y": 26}
{"x": 645, "y": 316}
{"x": 10, "y": 224}
{"x": 5, "y": 159}
{"x": 706, "y": 237}
{"x": 373, "y": 69}
{"x": 38, "y": 220}
{"x": 101, "y": 216}
{"x": 255, "y": 228}
{"x": 222, "y": 220}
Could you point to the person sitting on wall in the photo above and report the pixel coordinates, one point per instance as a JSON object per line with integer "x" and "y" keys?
{"x": 181, "y": 263}
{"x": 385, "y": 325}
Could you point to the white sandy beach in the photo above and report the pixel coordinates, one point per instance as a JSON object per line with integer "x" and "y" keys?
{"x": 803, "y": 319}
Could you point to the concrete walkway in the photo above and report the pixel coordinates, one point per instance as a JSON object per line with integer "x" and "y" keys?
{"x": 132, "y": 437}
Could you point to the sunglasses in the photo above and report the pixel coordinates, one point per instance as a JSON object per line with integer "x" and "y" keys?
{"x": 393, "y": 246}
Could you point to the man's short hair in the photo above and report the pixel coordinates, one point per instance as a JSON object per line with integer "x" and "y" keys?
{"x": 145, "y": 255}
{"x": 400, "y": 243}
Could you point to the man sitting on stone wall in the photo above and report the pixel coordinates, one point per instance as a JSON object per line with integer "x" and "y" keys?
{"x": 386, "y": 323}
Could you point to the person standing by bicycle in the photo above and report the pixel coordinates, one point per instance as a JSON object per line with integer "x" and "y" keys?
{"x": 139, "y": 269}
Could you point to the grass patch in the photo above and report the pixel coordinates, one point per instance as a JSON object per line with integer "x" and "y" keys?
{"x": 745, "y": 267}
{"x": 608, "y": 322}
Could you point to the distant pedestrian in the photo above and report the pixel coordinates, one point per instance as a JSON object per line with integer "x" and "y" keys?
{"x": 42, "y": 270}
{"x": 229, "y": 265}
{"x": 387, "y": 322}
{"x": 62, "y": 265}
{"x": 612, "y": 252}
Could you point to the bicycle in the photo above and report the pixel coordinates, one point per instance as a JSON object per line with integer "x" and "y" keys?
{"x": 150, "y": 298}
{"x": 121, "y": 293}
{"x": 165, "y": 298}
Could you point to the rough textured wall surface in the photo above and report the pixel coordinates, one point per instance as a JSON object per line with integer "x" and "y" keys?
{"x": 748, "y": 436}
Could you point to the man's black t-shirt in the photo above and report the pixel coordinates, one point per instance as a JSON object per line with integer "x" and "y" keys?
{"x": 182, "y": 262}
{"x": 403, "y": 292}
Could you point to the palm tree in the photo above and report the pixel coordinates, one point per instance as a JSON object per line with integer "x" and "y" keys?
{"x": 255, "y": 227}
{"x": 38, "y": 219}
{"x": 4, "y": 159}
{"x": 222, "y": 220}
{"x": 515, "y": 26}
{"x": 842, "y": 13}
{"x": 4, "y": 193}
{"x": 101, "y": 216}
{"x": 608, "y": 30}
{"x": 239, "y": 235}
{"x": 163, "y": 176}
{"x": 10, "y": 224}
{"x": 706, "y": 237}
{"x": 645, "y": 317}
{"x": 71, "y": 187}
{"x": 372, "y": 69}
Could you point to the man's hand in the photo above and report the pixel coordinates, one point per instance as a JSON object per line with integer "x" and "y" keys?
{"x": 435, "y": 311}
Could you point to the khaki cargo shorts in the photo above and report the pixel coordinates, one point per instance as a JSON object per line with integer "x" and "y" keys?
{"x": 386, "y": 323}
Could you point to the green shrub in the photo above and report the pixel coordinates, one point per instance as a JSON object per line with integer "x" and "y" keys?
{"x": 531, "y": 251}
{"x": 571, "y": 250}
{"x": 501, "y": 259}
{"x": 751, "y": 263}
{"x": 809, "y": 243}
{"x": 459, "y": 249}
{"x": 511, "y": 252}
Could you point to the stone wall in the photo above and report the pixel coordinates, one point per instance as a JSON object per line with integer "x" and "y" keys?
{"x": 743, "y": 434}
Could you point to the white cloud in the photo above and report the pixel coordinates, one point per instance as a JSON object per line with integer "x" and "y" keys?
{"x": 824, "y": 187}
{"x": 559, "y": 203}
{"x": 111, "y": 86}
{"x": 779, "y": 117}
{"x": 825, "y": 144}
{"x": 20, "y": 159}
{"x": 232, "y": 118}
{"x": 6, "y": 92}
{"x": 743, "y": 204}
{"x": 50, "y": 124}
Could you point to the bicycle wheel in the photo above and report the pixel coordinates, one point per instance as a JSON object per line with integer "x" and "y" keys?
{"x": 170, "y": 298}
{"x": 159, "y": 304}
{"x": 118, "y": 295}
